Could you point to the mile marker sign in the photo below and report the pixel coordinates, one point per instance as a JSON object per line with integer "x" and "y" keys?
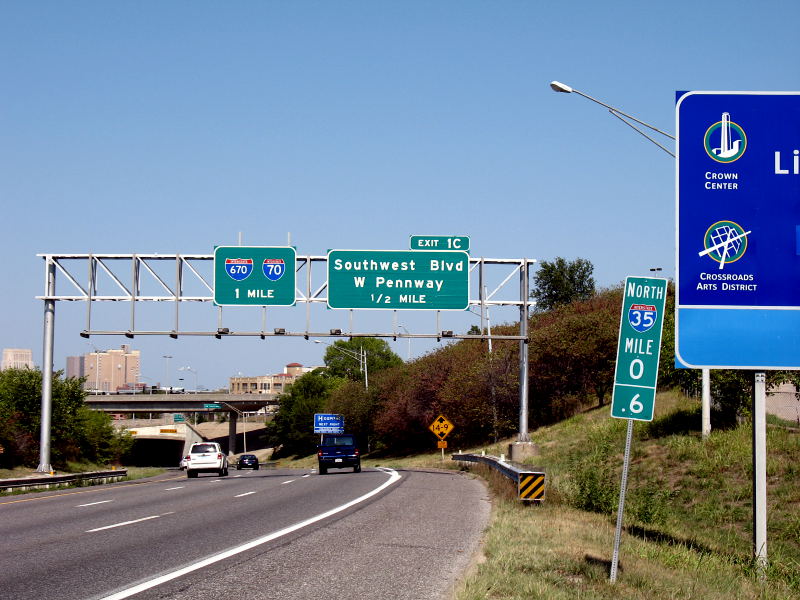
{"x": 639, "y": 348}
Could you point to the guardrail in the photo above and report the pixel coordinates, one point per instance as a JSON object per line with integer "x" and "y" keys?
{"x": 48, "y": 481}
{"x": 529, "y": 480}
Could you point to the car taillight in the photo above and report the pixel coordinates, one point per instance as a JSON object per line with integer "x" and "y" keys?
{"x": 356, "y": 452}
{"x": 219, "y": 456}
{"x": 189, "y": 457}
{"x": 319, "y": 454}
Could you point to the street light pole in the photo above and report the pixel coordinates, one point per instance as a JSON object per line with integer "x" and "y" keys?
{"x": 193, "y": 372}
{"x": 408, "y": 356}
{"x": 360, "y": 356}
{"x": 166, "y": 371}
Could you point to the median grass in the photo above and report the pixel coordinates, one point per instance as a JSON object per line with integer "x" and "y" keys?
{"x": 687, "y": 515}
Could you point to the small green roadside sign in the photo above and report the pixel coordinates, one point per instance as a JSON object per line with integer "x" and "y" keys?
{"x": 398, "y": 279}
{"x": 639, "y": 348}
{"x": 212, "y": 405}
{"x": 439, "y": 242}
{"x": 254, "y": 275}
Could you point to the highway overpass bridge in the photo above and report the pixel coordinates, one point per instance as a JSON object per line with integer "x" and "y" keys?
{"x": 232, "y": 404}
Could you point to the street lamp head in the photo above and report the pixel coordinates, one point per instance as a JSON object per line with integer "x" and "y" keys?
{"x": 560, "y": 87}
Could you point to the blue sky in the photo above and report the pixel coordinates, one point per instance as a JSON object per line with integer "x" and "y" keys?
{"x": 173, "y": 126}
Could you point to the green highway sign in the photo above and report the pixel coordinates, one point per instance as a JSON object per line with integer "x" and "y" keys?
{"x": 639, "y": 348}
{"x": 398, "y": 279}
{"x": 212, "y": 405}
{"x": 254, "y": 275}
{"x": 439, "y": 242}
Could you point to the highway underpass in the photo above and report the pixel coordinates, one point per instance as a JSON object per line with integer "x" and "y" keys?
{"x": 166, "y": 443}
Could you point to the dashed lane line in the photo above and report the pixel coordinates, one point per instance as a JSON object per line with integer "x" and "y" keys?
{"x": 394, "y": 477}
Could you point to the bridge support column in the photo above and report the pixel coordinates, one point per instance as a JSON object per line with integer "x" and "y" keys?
{"x": 233, "y": 418}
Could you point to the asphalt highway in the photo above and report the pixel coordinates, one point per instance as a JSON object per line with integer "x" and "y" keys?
{"x": 264, "y": 534}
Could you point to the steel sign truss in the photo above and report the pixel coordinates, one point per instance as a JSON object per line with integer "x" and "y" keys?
{"x": 176, "y": 279}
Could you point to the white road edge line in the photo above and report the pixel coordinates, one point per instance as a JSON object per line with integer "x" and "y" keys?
{"x": 180, "y": 487}
{"x": 394, "y": 477}
{"x": 285, "y": 482}
{"x": 245, "y": 494}
{"x": 93, "y": 503}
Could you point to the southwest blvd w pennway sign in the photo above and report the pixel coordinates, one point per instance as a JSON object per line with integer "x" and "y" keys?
{"x": 254, "y": 275}
{"x": 640, "y": 326}
{"x": 398, "y": 279}
{"x": 738, "y": 230}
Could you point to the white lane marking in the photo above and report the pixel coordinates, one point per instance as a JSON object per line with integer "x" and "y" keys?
{"x": 285, "y": 482}
{"x": 93, "y": 503}
{"x": 237, "y": 475}
{"x": 394, "y": 477}
{"x": 128, "y": 522}
{"x": 245, "y": 494}
{"x": 306, "y": 475}
{"x": 180, "y": 487}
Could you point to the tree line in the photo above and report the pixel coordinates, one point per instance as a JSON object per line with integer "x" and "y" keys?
{"x": 78, "y": 434}
{"x": 572, "y": 342}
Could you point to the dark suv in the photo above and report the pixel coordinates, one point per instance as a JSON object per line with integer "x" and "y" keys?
{"x": 247, "y": 461}
{"x": 338, "y": 450}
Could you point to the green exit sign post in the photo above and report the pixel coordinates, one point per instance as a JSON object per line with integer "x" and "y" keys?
{"x": 439, "y": 242}
{"x": 398, "y": 279}
{"x": 254, "y": 275}
{"x": 636, "y": 373}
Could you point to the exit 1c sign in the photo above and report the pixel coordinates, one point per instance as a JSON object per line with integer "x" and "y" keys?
{"x": 639, "y": 348}
{"x": 439, "y": 242}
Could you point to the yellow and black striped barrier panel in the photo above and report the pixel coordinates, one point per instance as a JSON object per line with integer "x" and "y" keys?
{"x": 531, "y": 486}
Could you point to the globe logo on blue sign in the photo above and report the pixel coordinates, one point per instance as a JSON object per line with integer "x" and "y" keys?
{"x": 725, "y": 242}
{"x": 642, "y": 317}
{"x": 239, "y": 269}
{"x": 274, "y": 268}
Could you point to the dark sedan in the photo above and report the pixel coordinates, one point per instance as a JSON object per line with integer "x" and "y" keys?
{"x": 247, "y": 461}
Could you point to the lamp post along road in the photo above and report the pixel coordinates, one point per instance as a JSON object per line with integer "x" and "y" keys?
{"x": 759, "y": 387}
{"x": 166, "y": 357}
{"x": 360, "y": 356}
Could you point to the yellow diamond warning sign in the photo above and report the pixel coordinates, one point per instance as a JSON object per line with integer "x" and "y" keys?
{"x": 441, "y": 427}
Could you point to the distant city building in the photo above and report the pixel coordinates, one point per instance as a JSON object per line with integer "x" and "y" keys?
{"x": 272, "y": 385}
{"x": 112, "y": 370}
{"x": 76, "y": 366}
{"x": 17, "y": 358}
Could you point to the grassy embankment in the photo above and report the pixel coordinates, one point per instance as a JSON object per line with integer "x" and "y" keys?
{"x": 687, "y": 517}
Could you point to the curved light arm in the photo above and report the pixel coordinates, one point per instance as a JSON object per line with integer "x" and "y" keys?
{"x": 557, "y": 86}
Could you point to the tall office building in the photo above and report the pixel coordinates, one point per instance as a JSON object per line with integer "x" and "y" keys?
{"x": 107, "y": 372}
{"x": 17, "y": 358}
{"x": 75, "y": 366}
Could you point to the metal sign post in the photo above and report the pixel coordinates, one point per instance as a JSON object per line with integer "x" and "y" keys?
{"x": 636, "y": 373}
{"x": 621, "y": 506}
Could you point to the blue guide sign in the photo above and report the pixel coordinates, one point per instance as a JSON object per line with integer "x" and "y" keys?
{"x": 738, "y": 230}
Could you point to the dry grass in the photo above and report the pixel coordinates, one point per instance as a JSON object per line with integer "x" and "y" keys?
{"x": 687, "y": 519}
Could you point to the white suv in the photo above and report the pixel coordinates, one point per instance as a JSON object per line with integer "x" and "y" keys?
{"x": 206, "y": 457}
